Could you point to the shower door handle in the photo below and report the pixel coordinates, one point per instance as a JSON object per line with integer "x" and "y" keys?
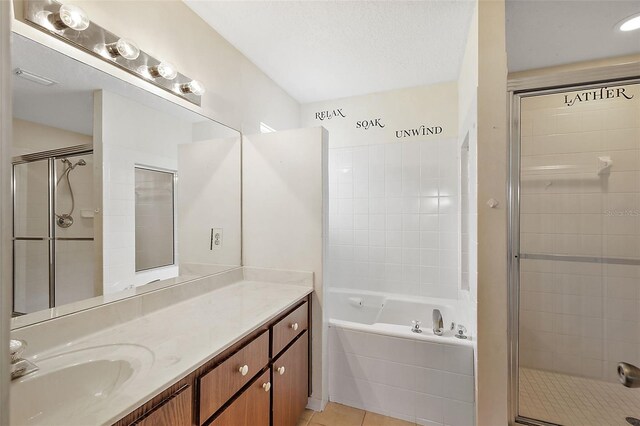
{"x": 629, "y": 375}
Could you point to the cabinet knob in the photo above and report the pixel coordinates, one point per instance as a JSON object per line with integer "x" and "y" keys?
{"x": 295, "y": 326}
{"x": 266, "y": 386}
{"x": 244, "y": 370}
{"x": 281, "y": 370}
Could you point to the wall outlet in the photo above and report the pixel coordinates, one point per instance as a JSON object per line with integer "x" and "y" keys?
{"x": 216, "y": 238}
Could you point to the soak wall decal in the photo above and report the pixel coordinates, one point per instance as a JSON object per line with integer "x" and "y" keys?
{"x": 368, "y": 124}
{"x": 596, "y": 95}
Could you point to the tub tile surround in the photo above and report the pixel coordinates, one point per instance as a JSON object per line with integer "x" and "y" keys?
{"x": 393, "y": 218}
{"x": 183, "y": 326}
{"x": 418, "y": 381}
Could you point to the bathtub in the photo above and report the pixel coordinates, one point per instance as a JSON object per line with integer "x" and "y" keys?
{"x": 378, "y": 364}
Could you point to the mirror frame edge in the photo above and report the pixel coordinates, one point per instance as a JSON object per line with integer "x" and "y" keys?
{"x": 6, "y": 117}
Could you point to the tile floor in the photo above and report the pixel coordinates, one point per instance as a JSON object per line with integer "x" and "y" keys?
{"x": 341, "y": 415}
{"x": 575, "y": 401}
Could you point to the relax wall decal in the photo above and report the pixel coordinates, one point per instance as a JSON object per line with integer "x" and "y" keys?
{"x": 596, "y": 95}
{"x": 419, "y": 131}
{"x": 328, "y": 115}
{"x": 368, "y": 124}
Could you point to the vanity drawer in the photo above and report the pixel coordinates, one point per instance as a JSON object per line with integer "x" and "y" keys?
{"x": 288, "y": 328}
{"x": 220, "y": 384}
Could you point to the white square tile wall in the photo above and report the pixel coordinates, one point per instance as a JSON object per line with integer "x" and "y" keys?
{"x": 393, "y": 217}
{"x": 414, "y": 380}
{"x": 580, "y": 318}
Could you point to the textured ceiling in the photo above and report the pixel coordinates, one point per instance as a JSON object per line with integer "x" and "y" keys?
{"x": 547, "y": 33}
{"x": 320, "y": 50}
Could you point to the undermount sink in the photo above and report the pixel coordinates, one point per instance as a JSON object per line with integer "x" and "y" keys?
{"x": 75, "y": 383}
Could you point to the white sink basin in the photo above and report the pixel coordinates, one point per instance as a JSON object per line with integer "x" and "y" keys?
{"x": 76, "y": 383}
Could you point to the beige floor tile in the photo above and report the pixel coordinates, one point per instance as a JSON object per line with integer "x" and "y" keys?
{"x": 372, "y": 419}
{"x": 305, "y": 418}
{"x": 338, "y": 415}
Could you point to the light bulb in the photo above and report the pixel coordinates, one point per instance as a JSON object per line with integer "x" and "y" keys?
{"x": 194, "y": 86}
{"x": 630, "y": 24}
{"x": 70, "y": 16}
{"x": 125, "y": 48}
{"x": 164, "y": 70}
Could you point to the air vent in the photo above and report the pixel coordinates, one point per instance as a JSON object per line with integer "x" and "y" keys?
{"x": 34, "y": 78}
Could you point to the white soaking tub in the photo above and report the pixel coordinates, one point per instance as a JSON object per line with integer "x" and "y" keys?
{"x": 378, "y": 364}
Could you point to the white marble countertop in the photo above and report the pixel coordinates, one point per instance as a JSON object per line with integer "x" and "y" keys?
{"x": 165, "y": 345}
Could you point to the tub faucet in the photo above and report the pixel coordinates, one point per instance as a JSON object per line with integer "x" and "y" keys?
{"x": 19, "y": 366}
{"x": 438, "y": 323}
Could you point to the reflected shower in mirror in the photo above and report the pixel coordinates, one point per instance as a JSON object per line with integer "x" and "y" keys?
{"x": 114, "y": 188}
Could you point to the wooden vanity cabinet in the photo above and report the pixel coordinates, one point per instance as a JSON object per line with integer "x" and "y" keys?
{"x": 251, "y": 408}
{"x": 263, "y": 380}
{"x": 225, "y": 380}
{"x": 174, "y": 411}
{"x": 290, "y": 383}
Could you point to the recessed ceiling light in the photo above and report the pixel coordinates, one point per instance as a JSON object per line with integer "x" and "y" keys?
{"x": 629, "y": 24}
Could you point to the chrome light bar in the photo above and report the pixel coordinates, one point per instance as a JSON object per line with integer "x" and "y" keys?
{"x": 72, "y": 25}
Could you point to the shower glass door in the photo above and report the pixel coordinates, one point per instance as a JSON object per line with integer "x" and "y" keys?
{"x": 31, "y": 236}
{"x": 576, "y": 245}
{"x": 53, "y": 233}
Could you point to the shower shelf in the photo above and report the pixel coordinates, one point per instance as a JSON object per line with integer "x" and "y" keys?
{"x": 584, "y": 259}
{"x": 603, "y": 168}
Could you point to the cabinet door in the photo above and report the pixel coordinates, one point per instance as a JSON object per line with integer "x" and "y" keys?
{"x": 290, "y": 383}
{"x": 251, "y": 408}
{"x": 175, "y": 411}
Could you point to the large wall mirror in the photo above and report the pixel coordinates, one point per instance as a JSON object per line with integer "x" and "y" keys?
{"x": 116, "y": 191}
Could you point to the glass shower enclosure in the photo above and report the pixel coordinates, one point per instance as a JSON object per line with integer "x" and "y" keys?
{"x": 54, "y": 254}
{"x": 575, "y": 254}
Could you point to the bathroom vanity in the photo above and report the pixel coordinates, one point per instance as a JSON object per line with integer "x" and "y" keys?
{"x": 228, "y": 349}
{"x": 264, "y": 379}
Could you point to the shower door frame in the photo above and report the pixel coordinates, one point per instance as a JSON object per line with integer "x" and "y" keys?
{"x": 517, "y": 90}
{"x": 50, "y": 156}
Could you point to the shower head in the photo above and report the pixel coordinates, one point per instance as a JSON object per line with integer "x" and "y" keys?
{"x": 80, "y": 162}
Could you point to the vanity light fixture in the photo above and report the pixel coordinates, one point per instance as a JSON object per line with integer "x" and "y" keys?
{"x": 123, "y": 47}
{"x": 630, "y": 24}
{"x": 163, "y": 69}
{"x": 69, "y": 16}
{"x": 194, "y": 86}
{"x": 59, "y": 20}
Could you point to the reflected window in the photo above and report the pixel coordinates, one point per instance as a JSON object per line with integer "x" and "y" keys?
{"x": 154, "y": 216}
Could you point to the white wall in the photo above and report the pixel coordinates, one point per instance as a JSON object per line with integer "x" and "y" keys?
{"x": 580, "y": 318}
{"x": 467, "y": 124}
{"x": 492, "y": 367}
{"x": 209, "y": 197}
{"x": 130, "y": 134}
{"x": 238, "y": 93}
{"x": 393, "y": 201}
{"x": 284, "y": 219}
{"x": 30, "y": 137}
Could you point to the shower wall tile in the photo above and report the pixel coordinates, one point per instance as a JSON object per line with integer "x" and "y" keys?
{"x": 580, "y": 318}
{"x": 393, "y": 210}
